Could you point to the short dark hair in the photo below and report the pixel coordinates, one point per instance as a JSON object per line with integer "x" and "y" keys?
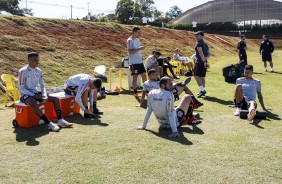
{"x": 266, "y": 36}
{"x": 169, "y": 58}
{"x": 135, "y": 29}
{"x": 158, "y": 53}
{"x": 200, "y": 33}
{"x": 32, "y": 54}
{"x": 97, "y": 82}
{"x": 164, "y": 80}
{"x": 153, "y": 52}
{"x": 249, "y": 67}
{"x": 152, "y": 71}
{"x": 242, "y": 36}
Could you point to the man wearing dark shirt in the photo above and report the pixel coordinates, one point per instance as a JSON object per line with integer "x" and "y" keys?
{"x": 202, "y": 54}
{"x": 242, "y": 47}
{"x": 266, "y": 50}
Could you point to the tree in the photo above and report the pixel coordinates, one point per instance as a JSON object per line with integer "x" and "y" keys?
{"x": 111, "y": 17}
{"x": 173, "y": 12}
{"x": 12, "y": 6}
{"x": 125, "y": 11}
{"x": 147, "y": 7}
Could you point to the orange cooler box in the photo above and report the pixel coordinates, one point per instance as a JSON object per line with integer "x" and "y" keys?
{"x": 68, "y": 105}
{"x": 26, "y": 117}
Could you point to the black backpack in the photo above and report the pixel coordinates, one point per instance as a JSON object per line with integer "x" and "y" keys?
{"x": 233, "y": 72}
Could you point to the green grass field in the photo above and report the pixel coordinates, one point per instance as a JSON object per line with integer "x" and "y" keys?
{"x": 223, "y": 149}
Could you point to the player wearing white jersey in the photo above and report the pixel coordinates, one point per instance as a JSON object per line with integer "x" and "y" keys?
{"x": 161, "y": 103}
{"x": 185, "y": 61}
{"x": 83, "y": 86}
{"x": 29, "y": 78}
{"x": 177, "y": 89}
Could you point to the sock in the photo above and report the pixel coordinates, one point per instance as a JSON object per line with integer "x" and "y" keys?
{"x": 202, "y": 88}
{"x": 135, "y": 91}
{"x": 265, "y": 68}
{"x": 190, "y": 111}
{"x": 59, "y": 114}
{"x": 194, "y": 99}
{"x": 45, "y": 119}
{"x": 271, "y": 69}
{"x": 94, "y": 105}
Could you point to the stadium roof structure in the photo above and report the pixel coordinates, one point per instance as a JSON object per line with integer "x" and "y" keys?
{"x": 232, "y": 11}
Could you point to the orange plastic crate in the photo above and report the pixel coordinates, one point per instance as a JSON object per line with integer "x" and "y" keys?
{"x": 68, "y": 105}
{"x": 26, "y": 117}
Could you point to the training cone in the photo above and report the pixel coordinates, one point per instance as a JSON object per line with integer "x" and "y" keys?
{"x": 117, "y": 89}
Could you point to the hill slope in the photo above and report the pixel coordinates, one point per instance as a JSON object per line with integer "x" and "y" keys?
{"x": 70, "y": 47}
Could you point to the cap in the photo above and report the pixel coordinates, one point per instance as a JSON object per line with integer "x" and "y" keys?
{"x": 200, "y": 33}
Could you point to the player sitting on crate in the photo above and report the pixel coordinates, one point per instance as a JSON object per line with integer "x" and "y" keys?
{"x": 245, "y": 94}
{"x": 29, "y": 78}
{"x": 83, "y": 86}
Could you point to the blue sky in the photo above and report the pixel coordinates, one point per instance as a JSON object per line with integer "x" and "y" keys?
{"x": 61, "y": 9}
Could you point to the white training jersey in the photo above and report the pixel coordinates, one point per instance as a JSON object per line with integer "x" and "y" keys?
{"x": 144, "y": 20}
{"x": 82, "y": 82}
{"x": 150, "y": 85}
{"x": 150, "y": 61}
{"x": 29, "y": 79}
{"x": 177, "y": 57}
{"x": 161, "y": 102}
{"x": 133, "y": 44}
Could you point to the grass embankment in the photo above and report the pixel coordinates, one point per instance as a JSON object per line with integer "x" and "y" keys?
{"x": 223, "y": 149}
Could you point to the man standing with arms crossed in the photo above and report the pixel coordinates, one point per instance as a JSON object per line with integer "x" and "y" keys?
{"x": 135, "y": 59}
{"x": 202, "y": 54}
{"x": 266, "y": 50}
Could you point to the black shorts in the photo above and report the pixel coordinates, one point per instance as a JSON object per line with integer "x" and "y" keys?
{"x": 137, "y": 69}
{"x": 25, "y": 97}
{"x": 200, "y": 70}
{"x": 70, "y": 90}
{"x": 175, "y": 93}
{"x": 181, "y": 116}
{"x": 245, "y": 104}
{"x": 266, "y": 57}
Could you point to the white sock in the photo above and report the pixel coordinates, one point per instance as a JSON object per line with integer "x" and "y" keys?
{"x": 265, "y": 68}
{"x": 202, "y": 88}
{"x": 271, "y": 69}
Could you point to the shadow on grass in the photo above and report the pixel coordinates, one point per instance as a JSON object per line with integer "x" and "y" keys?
{"x": 259, "y": 73}
{"x": 272, "y": 116}
{"x": 79, "y": 119}
{"x": 277, "y": 72}
{"x": 29, "y": 135}
{"x": 165, "y": 132}
{"x": 217, "y": 100}
{"x": 256, "y": 123}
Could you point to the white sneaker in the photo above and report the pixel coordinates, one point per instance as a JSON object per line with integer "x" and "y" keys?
{"x": 63, "y": 123}
{"x": 237, "y": 112}
{"x": 53, "y": 127}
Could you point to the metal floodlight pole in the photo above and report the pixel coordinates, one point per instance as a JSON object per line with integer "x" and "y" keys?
{"x": 88, "y": 6}
{"x": 26, "y": 4}
{"x": 71, "y": 11}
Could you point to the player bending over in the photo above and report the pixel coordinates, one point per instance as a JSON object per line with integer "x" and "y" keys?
{"x": 83, "y": 86}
